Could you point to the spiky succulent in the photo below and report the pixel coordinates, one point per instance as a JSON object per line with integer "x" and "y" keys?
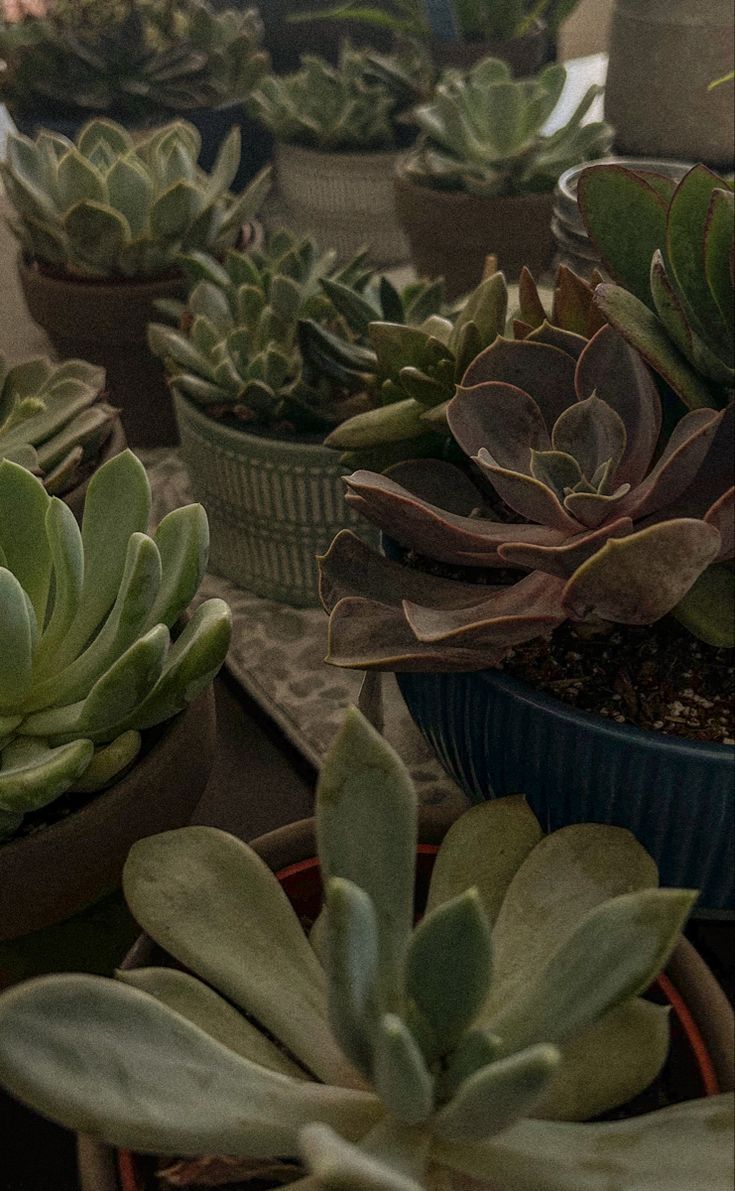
{"x": 418, "y": 355}
{"x": 482, "y": 132}
{"x": 671, "y": 248}
{"x": 353, "y": 106}
{"x": 110, "y": 205}
{"x": 236, "y": 348}
{"x": 591, "y": 527}
{"x": 388, "y": 1057}
{"x": 134, "y": 60}
{"x": 86, "y": 657}
{"x": 52, "y": 419}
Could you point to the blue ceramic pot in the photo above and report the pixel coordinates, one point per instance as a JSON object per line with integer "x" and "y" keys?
{"x": 496, "y": 735}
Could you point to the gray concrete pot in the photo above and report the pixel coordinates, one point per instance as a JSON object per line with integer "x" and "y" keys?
{"x": 663, "y": 55}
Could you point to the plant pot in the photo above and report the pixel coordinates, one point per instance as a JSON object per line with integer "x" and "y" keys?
{"x": 105, "y": 322}
{"x": 48, "y": 875}
{"x": 663, "y": 55}
{"x": 451, "y": 233}
{"x": 116, "y": 442}
{"x": 497, "y": 735}
{"x": 573, "y": 246}
{"x": 525, "y": 55}
{"x": 702, "y": 1018}
{"x": 345, "y": 200}
{"x": 273, "y": 504}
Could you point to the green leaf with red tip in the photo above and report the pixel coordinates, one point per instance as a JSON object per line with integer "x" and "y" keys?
{"x": 626, "y": 220}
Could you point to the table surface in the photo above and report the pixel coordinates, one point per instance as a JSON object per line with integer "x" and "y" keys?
{"x": 252, "y": 755}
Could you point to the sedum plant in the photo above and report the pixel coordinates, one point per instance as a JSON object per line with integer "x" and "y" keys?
{"x": 670, "y": 247}
{"x": 418, "y": 355}
{"x": 87, "y": 662}
{"x": 354, "y": 106}
{"x": 134, "y": 60}
{"x": 236, "y": 349}
{"x": 461, "y": 1052}
{"x": 482, "y": 132}
{"x": 52, "y": 419}
{"x": 109, "y": 205}
{"x": 582, "y": 515}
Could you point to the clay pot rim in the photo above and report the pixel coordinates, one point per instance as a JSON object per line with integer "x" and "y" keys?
{"x": 455, "y": 198}
{"x": 43, "y": 275}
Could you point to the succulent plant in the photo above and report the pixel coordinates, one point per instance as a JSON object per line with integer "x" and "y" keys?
{"x": 52, "y": 419}
{"x": 671, "y": 248}
{"x": 590, "y": 526}
{"x": 134, "y": 60}
{"x": 236, "y": 348}
{"x": 353, "y": 106}
{"x": 111, "y": 206}
{"x": 419, "y": 354}
{"x": 482, "y": 132}
{"x": 86, "y": 657}
{"x": 390, "y": 1058}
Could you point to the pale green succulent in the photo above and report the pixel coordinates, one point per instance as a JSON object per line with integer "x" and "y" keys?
{"x": 237, "y": 349}
{"x": 389, "y": 1058}
{"x": 352, "y": 106}
{"x": 109, "y": 205}
{"x": 52, "y": 420}
{"x": 87, "y": 662}
{"x": 482, "y": 132}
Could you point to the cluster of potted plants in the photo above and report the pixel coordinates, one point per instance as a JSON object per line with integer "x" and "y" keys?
{"x": 379, "y": 998}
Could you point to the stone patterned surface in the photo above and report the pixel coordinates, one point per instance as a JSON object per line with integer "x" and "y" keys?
{"x": 277, "y": 656}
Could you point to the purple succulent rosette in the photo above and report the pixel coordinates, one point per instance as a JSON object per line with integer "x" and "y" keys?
{"x": 605, "y": 522}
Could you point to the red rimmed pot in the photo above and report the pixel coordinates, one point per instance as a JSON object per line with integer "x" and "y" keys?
{"x": 702, "y": 1020}
{"x": 104, "y": 321}
{"x": 54, "y": 872}
{"x": 451, "y": 232}
{"x": 525, "y": 55}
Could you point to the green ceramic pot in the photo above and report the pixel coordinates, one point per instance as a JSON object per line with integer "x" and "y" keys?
{"x": 273, "y": 504}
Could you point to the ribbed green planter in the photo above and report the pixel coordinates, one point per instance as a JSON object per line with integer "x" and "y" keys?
{"x": 273, "y": 505}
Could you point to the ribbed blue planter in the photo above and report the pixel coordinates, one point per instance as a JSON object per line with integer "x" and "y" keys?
{"x": 496, "y": 735}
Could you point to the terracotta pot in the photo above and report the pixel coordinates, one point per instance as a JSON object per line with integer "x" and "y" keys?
{"x": 47, "y": 876}
{"x": 451, "y": 233}
{"x": 116, "y": 443}
{"x": 702, "y": 1014}
{"x": 525, "y": 55}
{"x": 663, "y": 55}
{"x": 105, "y": 322}
{"x": 345, "y": 200}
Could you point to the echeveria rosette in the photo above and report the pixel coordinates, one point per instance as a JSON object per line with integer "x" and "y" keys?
{"x": 87, "y": 660}
{"x": 598, "y": 530}
{"x": 671, "y": 249}
{"x": 389, "y": 1057}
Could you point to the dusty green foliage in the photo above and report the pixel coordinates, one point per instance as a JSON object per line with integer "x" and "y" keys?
{"x": 394, "y": 1058}
{"x": 86, "y": 657}
{"x": 137, "y": 61}
{"x": 595, "y": 515}
{"x": 236, "y": 347}
{"x": 52, "y": 419}
{"x": 108, "y": 205}
{"x": 671, "y": 249}
{"x": 482, "y": 132}
{"x": 355, "y": 106}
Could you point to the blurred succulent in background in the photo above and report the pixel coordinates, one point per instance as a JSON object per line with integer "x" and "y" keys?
{"x": 53, "y": 420}
{"x": 357, "y": 105}
{"x": 235, "y": 350}
{"x": 461, "y": 1052}
{"x": 671, "y": 249}
{"x": 482, "y": 132}
{"x": 592, "y": 523}
{"x": 134, "y": 60}
{"x": 86, "y": 657}
{"x": 108, "y": 205}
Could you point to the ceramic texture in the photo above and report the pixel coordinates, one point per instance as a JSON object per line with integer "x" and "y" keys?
{"x": 496, "y": 735}
{"x": 344, "y": 199}
{"x": 273, "y": 505}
